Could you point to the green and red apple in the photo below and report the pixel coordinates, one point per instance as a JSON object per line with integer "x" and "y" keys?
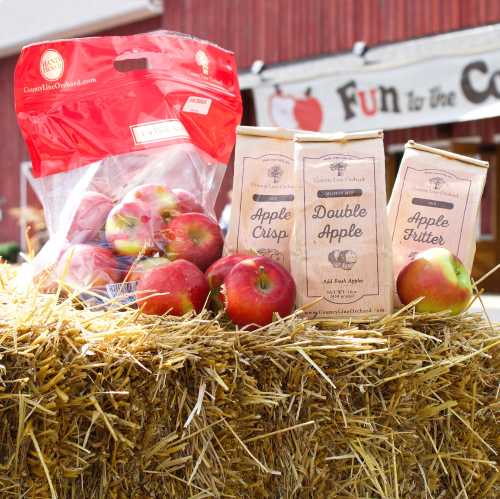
{"x": 133, "y": 228}
{"x": 176, "y": 287}
{"x": 194, "y": 237}
{"x": 135, "y": 225}
{"x": 90, "y": 217}
{"x": 186, "y": 202}
{"x": 440, "y": 278}
{"x": 158, "y": 199}
{"x": 84, "y": 265}
{"x": 138, "y": 269}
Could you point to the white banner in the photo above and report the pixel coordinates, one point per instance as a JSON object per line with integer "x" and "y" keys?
{"x": 440, "y": 90}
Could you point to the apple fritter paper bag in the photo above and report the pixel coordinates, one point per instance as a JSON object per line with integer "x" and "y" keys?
{"x": 340, "y": 248}
{"x": 263, "y": 192}
{"x": 435, "y": 203}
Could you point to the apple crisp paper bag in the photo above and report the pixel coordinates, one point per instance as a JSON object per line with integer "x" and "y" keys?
{"x": 435, "y": 202}
{"x": 340, "y": 248}
{"x": 261, "y": 213}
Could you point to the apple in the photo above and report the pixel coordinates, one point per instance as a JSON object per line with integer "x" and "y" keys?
{"x": 132, "y": 228}
{"x": 307, "y": 112}
{"x": 216, "y": 274}
{"x": 186, "y": 202}
{"x": 255, "y": 289}
{"x": 138, "y": 269}
{"x": 90, "y": 217}
{"x": 177, "y": 287}
{"x": 195, "y": 237}
{"x": 440, "y": 277}
{"x": 84, "y": 265}
{"x": 158, "y": 199}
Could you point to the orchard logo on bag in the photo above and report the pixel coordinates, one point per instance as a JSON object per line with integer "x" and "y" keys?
{"x": 338, "y": 168}
{"x": 275, "y": 172}
{"x": 436, "y": 183}
{"x": 51, "y": 65}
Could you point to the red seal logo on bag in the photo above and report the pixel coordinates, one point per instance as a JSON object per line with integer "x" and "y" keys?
{"x": 51, "y": 65}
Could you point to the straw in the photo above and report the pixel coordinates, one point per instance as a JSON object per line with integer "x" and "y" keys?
{"x": 112, "y": 403}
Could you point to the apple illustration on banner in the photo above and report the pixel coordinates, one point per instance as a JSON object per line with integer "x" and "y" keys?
{"x": 290, "y": 111}
{"x": 308, "y": 112}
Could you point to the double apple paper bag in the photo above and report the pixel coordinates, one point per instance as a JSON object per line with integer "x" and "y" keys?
{"x": 340, "y": 249}
{"x": 435, "y": 203}
{"x": 263, "y": 193}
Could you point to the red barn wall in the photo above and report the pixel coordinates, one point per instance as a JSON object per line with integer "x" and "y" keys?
{"x": 284, "y": 30}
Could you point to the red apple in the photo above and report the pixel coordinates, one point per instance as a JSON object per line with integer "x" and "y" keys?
{"x": 440, "y": 277}
{"x": 194, "y": 237}
{"x": 186, "y": 202}
{"x": 177, "y": 287}
{"x": 138, "y": 269}
{"x": 158, "y": 199}
{"x": 84, "y": 265}
{"x": 90, "y": 217}
{"x": 132, "y": 228}
{"x": 216, "y": 274}
{"x": 255, "y": 289}
{"x": 308, "y": 113}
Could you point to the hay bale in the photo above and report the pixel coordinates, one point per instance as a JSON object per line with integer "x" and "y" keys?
{"x": 113, "y": 404}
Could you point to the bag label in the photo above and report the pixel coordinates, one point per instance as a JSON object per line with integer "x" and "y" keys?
{"x": 430, "y": 211}
{"x": 198, "y": 105}
{"x": 341, "y": 230}
{"x": 124, "y": 292}
{"x": 157, "y": 131}
{"x": 265, "y": 210}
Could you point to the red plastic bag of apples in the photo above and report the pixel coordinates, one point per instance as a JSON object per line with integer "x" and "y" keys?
{"x": 128, "y": 138}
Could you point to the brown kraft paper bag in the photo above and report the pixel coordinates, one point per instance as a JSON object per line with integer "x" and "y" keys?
{"x": 261, "y": 212}
{"x": 340, "y": 249}
{"x": 435, "y": 202}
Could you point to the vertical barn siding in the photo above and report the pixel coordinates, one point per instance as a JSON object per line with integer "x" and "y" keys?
{"x": 12, "y": 149}
{"x": 284, "y": 30}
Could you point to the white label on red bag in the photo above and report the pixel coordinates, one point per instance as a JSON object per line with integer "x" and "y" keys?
{"x": 199, "y": 105}
{"x": 157, "y": 131}
{"x": 124, "y": 292}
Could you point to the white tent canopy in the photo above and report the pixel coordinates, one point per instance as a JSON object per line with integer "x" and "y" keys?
{"x": 27, "y": 21}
